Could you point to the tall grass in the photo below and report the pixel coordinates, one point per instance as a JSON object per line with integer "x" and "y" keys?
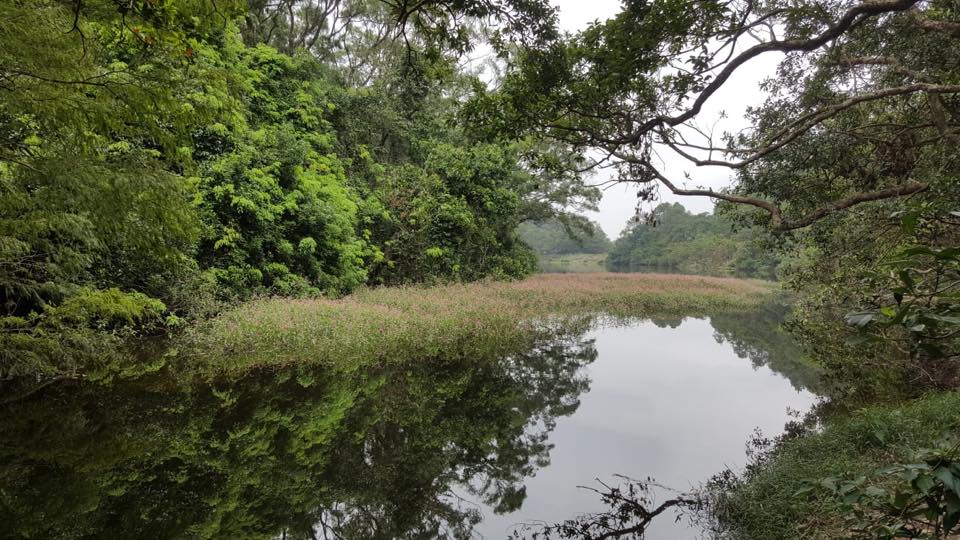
{"x": 412, "y": 323}
{"x": 764, "y": 505}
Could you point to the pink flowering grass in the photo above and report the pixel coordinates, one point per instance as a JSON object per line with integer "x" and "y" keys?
{"x": 395, "y": 324}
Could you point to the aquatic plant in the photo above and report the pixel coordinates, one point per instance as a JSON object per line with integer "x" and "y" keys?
{"x": 415, "y": 323}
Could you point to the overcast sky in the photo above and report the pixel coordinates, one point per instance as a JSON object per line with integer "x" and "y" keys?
{"x": 741, "y": 90}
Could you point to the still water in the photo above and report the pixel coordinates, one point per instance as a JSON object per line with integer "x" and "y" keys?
{"x": 451, "y": 447}
{"x": 671, "y": 400}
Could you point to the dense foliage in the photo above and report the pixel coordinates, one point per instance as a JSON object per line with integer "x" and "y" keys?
{"x": 850, "y": 159}
{"x": 160, "y": 158}
{"x": 373, "y": 452}
{"x": 673, "y": 239}
{"x": 869, "y": 474}
{"x": 554, "y": 237}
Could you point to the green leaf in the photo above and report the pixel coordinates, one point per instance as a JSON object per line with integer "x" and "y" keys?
{"x": 948, "y": 253}
{"x": 906, "y": 279}
{"x": 924, "y": 484}
{"x": 829, "y": 484}
{"x": 946, "y": 476}
{"x": 902, "y": 499}
{"x": 950, "y": 520}
{"x": 952, "y": 512}
{"x": 917, "y": 250}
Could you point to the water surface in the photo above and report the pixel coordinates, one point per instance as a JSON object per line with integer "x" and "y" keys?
{"x": 442, "y": 447}
{"x": 672, "y": 400}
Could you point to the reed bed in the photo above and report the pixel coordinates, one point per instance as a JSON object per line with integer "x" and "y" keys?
{"x": 418, "y": 322}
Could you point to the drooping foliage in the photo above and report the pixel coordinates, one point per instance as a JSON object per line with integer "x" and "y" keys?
{"x": 849, "y": 156}
{"x": 96, "y": 215}
{"x": 877, "y": 282}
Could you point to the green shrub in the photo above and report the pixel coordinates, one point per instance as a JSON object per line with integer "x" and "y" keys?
{"x": 768, "y": 502}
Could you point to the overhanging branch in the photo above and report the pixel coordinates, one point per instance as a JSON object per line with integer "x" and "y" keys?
{"x": 848, "y": 20}
{"x": 777, "y": 220}
{"x": 808, "y": 121}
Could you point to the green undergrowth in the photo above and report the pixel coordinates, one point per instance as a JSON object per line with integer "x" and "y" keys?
{"x": 767, "y": 501}
{"x": 414, "y": 323}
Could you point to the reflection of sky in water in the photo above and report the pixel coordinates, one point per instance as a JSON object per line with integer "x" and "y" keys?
{"x": 670, "y": 403}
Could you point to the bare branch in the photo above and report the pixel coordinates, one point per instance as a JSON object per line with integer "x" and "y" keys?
{"x": 851, "y": 18}
{"x": 778, "y": 222}
{"x": 806, "y": 122}
{"x": 947, "y": 27}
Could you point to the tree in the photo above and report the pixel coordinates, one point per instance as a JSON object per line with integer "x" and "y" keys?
{"x": 280, "y": 214}
{"x": 334, "y": 29}
{"x": 673, "y": 239}
{"x": 96, "y": 219}
{"x": 554, "y": 237}
{"x": 851, "y": 158}
{"x": 876, "y": 79}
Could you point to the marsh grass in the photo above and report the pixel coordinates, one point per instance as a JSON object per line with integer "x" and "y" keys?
{"x": 399, "y": 324}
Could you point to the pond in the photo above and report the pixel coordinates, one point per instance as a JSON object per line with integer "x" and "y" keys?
{"x": 455, "y": 447}
{"x": 672, "y": 400}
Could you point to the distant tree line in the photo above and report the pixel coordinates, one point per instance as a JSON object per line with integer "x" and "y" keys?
{"x": 556, "y": 237}
{"x": 673, "y": 239}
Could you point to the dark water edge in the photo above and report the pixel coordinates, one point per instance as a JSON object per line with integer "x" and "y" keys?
{"x": 672, "y": 400}
{"x": 585, "y": 263}
{"x": 456, "y": 447}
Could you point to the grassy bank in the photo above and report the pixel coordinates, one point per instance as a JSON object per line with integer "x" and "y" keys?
{"x": 409, "y": 323}
{"x": 765, "y": 503}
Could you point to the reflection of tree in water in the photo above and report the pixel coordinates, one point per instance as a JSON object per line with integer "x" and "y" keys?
{"x": 668, "y": 322}
{"x": 756, "y": 335}
{"x": 484, "y": 426}
{"x": 631, "y": 506}
{"x": 297, "y": 452}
